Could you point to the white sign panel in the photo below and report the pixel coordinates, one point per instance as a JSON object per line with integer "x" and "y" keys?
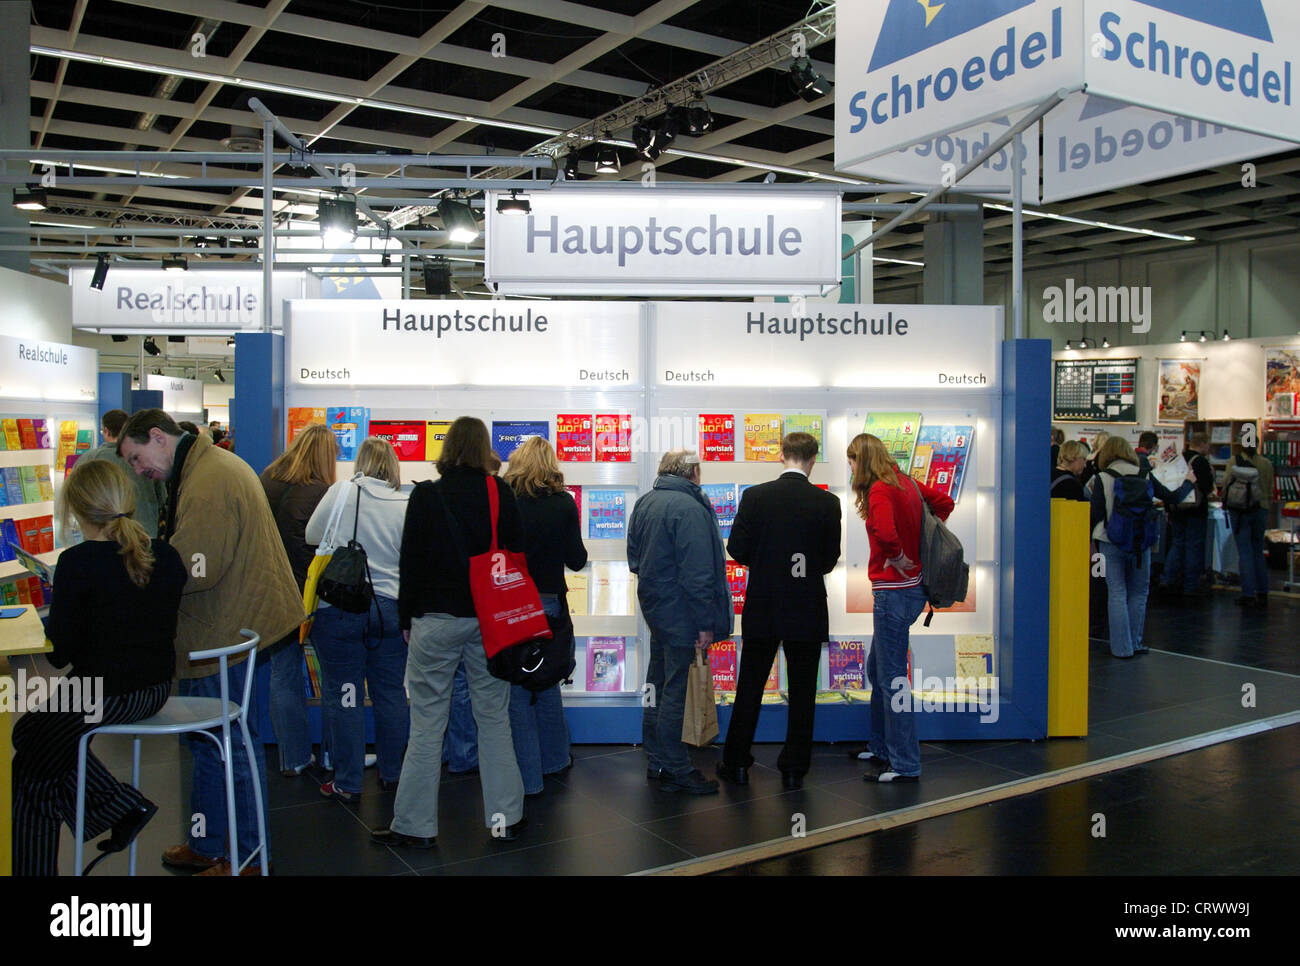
{"x": 153, "y": 302}
{"x": 463, "y": 343}
{"x": 936, "y": 160}
{"x": 922, "y": 67}
{"x": 1094, "y": 144}
{"x": 1228, "y": 62}
{"x": 869, "y": 346}
{"x": 665, "y": 241}
{"x": 179, "y": 395}
{"x": 32, "y": 369}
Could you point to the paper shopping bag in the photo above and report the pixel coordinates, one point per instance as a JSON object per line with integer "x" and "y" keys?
{"x": 700, "y": 720}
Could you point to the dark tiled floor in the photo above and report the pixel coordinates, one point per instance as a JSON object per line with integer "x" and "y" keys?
{"x": 603, "y": 817}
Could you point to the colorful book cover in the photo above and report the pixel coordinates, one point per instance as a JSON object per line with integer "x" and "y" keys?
{"x": 24, "y": 593}
{"x": 577, "y": 593}
{"x": 606, "y": 514}
{"x": 773, "y": 684}
{"x": 350, "y": 426}
{"x": 941, "y": 455}
{"x": 11, "y": 593}
{"x": 575, "y": 491}
{"x": 605, "y": 657}
{"x": 723, "y": 498}
{"x": 737, "y": 580}
{"x": 435, "y": 434}
{"x": 70, "y": 462}
{"x": 717, "y": 437}
{"x": 29, "y": 534}
{"x": 846, "y": 659}
{"x": 4, "y": 441}
{"x": 612, "y": 438}
{"x": 300, "y": 417}
{"x": 42, "y": 428}
{"x": 810, "y": 423}
{"x": 85, "y": 440}
{"x": 974, "y": 656}
{"x": 27, "y": 433}
{"x": 508, "y": 435}
{"x": 13, "y": 485}
{"x": 12, "y": 438}
{"x": 67, "y": 441}
{"x": 45, "y": 538}
{"x": 573, "y": 437}
{"x": 406, "y": 435}
{"x": 723, "y": 665}
{"x": 30, "y": 488}
{"x": 611, "y": 588}
{"x": 44, "y": 483}
{"x": 36, "y": 592}
{"x": 898, "y": 432}
{"x": 8, "y": 532}
{"x": 763, "y": 437}
{"x": 4, "y": 494}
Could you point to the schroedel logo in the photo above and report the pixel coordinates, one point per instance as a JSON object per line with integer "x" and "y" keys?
{"x": 1244, "y": 17}
{"x": 911, "y": 26}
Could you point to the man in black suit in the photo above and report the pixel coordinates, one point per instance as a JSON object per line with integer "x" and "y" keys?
{"x": 788, "y": 533}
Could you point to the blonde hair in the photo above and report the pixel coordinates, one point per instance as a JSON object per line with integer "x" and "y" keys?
{"x": 309, "y": 458}
{"x": 377, "y": 459}
{"x": 1115, "y": 448}
{"x": 98, "y": 492}
{"x": 872, "y": 463}
{"x": 533, "y": 469}
{"x": 1071, "y": 451}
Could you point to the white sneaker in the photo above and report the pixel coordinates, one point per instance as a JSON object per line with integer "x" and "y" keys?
{"x": 371, "y": 761}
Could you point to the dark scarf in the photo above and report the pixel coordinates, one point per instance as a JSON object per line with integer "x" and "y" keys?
{"x": 174, "y": 484}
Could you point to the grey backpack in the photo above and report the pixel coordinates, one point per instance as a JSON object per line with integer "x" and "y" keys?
{"x": 1242, "y": 492}
{"x": 944, "y": 571}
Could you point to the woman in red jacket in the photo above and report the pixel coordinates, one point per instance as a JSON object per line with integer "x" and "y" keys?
{"x": 890, "y": 502}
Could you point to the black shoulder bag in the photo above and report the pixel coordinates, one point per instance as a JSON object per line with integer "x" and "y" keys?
{"x": 345, "y": 583}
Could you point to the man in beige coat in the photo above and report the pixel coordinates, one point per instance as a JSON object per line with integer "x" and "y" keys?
{"x": 220, "y": 523}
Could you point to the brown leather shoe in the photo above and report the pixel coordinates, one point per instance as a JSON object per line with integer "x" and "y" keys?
{"x": 223, "y": 868}
{"x": 183, "y": 857}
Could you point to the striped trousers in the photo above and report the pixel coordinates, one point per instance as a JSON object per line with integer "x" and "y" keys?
{"x": 45, "y": 778}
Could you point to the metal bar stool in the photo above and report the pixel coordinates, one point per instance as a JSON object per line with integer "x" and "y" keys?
{"x": 183, "y": 716}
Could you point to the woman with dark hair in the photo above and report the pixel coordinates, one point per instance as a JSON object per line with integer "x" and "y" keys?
{"x": 554, "y": 541}
{"x": 447, "y": 522}
{"x": 295, "y": 483}
{"x": 890, "y": 503}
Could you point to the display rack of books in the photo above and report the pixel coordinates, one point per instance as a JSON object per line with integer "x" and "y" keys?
{"x": 1281, "y": 447}
{"x": 1223, "y": 433}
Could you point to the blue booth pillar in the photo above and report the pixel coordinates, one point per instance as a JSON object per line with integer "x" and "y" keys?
{"x": 259, "y": 387}
{"x": 114, "y": 393}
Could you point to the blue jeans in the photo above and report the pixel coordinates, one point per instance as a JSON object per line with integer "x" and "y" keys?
{"x": 208, "y": 791}
{"x": 347, "y": 664}
{"x": 460, "y": 747}
{"x": 1185, "y": 559}
{"x": 289, "y": 703}
{"x": 538, "y": 726}
{"x": 1128, "y": 579}
{"x": 893, "y": 728}
{"x": 661, "y": 721}
{"x": 1248, "y": 530}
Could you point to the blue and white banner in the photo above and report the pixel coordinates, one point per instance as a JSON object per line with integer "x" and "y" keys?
{"x": 915, "y": 69}
{"x": 1233, "y": 63}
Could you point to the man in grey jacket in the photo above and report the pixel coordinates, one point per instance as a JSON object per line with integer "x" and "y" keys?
{"x": 675, "y": 549}
{"x": 149, "y": 494}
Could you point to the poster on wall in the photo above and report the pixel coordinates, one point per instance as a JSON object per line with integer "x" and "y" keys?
{"x": 1178, "y": 390}
{"x": 1282, "y": 382}
{"x": 1094, "y": 390}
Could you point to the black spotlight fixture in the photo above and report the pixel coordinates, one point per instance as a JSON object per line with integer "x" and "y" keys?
{"x": 669, "y": 125}
{"x": 252, "y": 242}
{"x": 699, "y": 119}
{"x": 338, "y": 220}
{"x": 607, "y": 161}
{"x": 385, "y": 259}
{"x": 178, "y": 264}
{"x": 221, "y": 376}
{"x": 458, "y": 221}
{"x": 806, "y": 82}
{"x": 514, "y": 205}
{"x": 646, "y": 138}
{"x": 151, "y": 347}
{"x": 32, "y": 199}
{"x": 175, "y": 338}
{"x": 230, "y": 341}
{"x": 101, "y": 272}
{"x": 572, "y": 165}
{"x": 119, "y": 338}
{"x": 437, "y": 276}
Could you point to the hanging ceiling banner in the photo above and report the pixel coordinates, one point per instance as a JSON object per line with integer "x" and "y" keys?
{"x": 1093, "y": 144}
{"x": 150, "y": 301}
{"x": 657, "y": 240}
{"x": 1233, "y": 63}
{"x": 928, "y": 67}
{"x": 179, "y": 395}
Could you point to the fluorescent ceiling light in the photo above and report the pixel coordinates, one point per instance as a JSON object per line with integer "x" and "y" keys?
{"x": 896, "y": 261}
{"x": 1092, "y": 224}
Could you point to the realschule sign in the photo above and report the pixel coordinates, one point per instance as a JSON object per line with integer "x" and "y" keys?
{"x": 151, "y": 300}
{"x": 654, "y": 240}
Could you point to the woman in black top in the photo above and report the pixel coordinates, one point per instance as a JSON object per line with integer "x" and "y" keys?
{"x": 553, "y": 541}
{"x": 295, "y": 483}
{"x": 113, "y": 618}
{"x": 1065, "y": 476}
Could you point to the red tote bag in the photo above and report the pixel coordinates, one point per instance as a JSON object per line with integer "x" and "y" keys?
{"x": 505, "y": 597}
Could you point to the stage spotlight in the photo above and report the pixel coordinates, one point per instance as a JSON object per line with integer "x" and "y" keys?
{"x": 31, "y": 200}
{"x": 151, "y": 347}
{"x": 699, "y": 120}
{"x": 806, "y": 82}
{"x": 338, "y": 220}
{"x": 101, "y": 272}
{"x": 607, "y": 159}
{"x": 458, "y": 220}
{"x": 178, "y": 264}
{"x": 437, "y": 276}
{"x": 514, "y": 205}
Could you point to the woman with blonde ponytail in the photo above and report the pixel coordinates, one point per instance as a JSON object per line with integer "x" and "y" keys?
{"x": 113, "y": 618}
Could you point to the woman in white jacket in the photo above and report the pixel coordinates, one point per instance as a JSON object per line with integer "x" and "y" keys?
{"x": 356, "y": 650}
